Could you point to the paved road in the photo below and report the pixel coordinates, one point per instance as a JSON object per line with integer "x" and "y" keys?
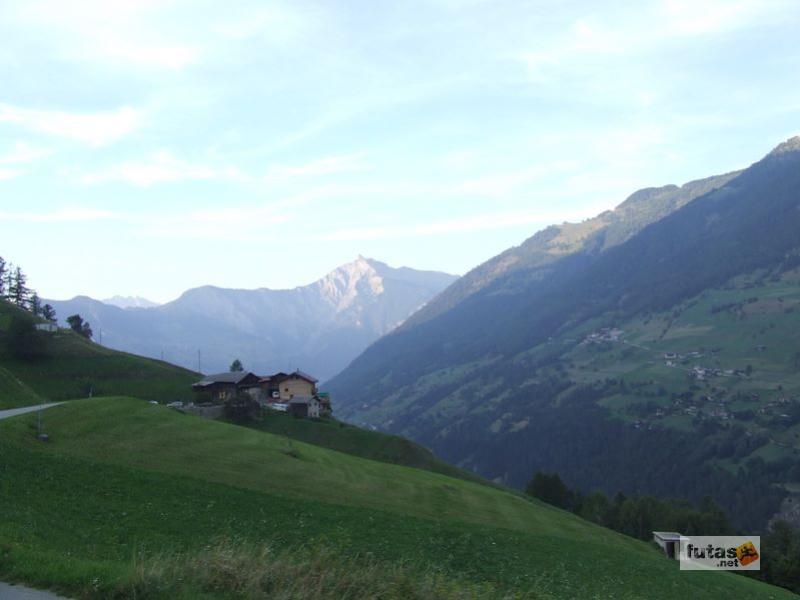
{"x": 13, "y": 412}
{"x": 18, "y": 592}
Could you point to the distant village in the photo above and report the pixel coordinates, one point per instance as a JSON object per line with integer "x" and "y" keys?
{"x": 714, "y": 405}
{"x": 294, "y": 393}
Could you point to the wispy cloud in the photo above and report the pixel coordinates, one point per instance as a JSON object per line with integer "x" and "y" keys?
{"x": 95, "y": 128}
{"x": 62, "y": 215}
{"x": 504, "y": 182}
{"x": 162, "y": 166}
{"x": 239, "y": 223}
{"x": 323, "y": 166}
{"x": 16, "y": 161}
{"x": 481, "y": 222}
{"x": 6, "y": 174}
{"x": 149, "y": 54}
{"x": 644, "y": 26}
{"x": 124, "y": 32}
{"x": 22, "y": 153}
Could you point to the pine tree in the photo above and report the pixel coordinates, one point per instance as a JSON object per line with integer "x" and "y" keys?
{"x": 8, "y": 282}
{"x": 2, "y": 277}
{"x": 35, "y": 304}
{"x": 79, "y": 326}
{"x": 49, "y": 313}
{"x": 18, "y": 291}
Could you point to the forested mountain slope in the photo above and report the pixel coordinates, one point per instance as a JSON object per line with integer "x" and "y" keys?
{"x": 490, "y": 383}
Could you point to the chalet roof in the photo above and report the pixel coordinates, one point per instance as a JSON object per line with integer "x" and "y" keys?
{"x": 305, "y": 376}
{"x": 234, "y": 377}
{"x": 280, "y": 376}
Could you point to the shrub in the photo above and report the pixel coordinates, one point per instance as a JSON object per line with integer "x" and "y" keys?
{"x": 23, "y": 341}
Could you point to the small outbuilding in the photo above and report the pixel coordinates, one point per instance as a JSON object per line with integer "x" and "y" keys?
{"x": 304, "y": 407}
{"x": 669, "y": 542}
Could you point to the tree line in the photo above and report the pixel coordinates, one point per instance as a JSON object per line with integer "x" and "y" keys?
{"x": 639, "y": 516}
{"x": 14, "y": 289}
{"x": 22, "y": 339}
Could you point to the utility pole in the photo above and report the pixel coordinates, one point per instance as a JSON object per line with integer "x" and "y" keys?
{"x": 199, "y": 370}
{"x": 40, "y": 434}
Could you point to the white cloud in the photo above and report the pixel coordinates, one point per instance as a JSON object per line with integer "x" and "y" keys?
{"x": 641, "y": 28}
{"x": 161, "y": 167}
{"x": 121, "y": 32}
{"x": 148, "y": 53}
{"x": 693, "y": 17}
{"x": 240, "y": 223}
{"x": 481, "y": 222}
{"x": 95, "y": 128}
{"x": 6, "y": 174}
{"x": 324, "y": 166}
{"x": 61, "y": 215}
{"x": 22, "y": 153}
{"x": 505, "y": 182}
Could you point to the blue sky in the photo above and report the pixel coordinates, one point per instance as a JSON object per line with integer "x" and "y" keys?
{"x": 149, "y": 147}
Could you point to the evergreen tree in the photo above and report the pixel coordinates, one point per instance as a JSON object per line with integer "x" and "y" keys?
{"x": 23, "y": 341}
{"x": 18, "y": 291}
{"x": 8, "y": 282}
{"x": 49, "y": 313}
{"x": 35, "y": 304}
{"x": 2, "y": 277}
{"x": 236, "y": 366}
{"x": 79, "y": 326}
{"x": 549, "y": 488}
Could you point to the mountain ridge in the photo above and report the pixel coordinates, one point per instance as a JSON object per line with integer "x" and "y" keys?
{"x": 319, "y": 326}
{"x": 605, "y": 230}
{"x": 501, "y": 354}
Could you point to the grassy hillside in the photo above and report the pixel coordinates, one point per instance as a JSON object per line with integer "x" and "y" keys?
{"x": 343, "y": 437}
{"x": 75, "y": 368}
{"x": 161, "y": 481}
{"x": 15, "y": 393}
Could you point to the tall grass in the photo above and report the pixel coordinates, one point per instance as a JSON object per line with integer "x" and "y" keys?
{"x": 239, "y": 570}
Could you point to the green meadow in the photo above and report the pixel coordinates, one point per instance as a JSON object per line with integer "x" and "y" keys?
{"x": 343, "y": 437}
{"x": 73, "y": 367}
{"x": 124, "y": 486}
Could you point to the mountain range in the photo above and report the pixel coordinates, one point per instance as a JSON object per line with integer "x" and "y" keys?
{"x": 647, "y": 350}
{"x": 318, "y": 327}
{"x": 129, "y": 302}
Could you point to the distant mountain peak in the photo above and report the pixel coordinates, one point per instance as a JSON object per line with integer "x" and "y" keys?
{"x": 342, "y": 286}
{"x": 790, "y": 145}
{"x": 130, "y": 302}
{"x": 364, "y": 279}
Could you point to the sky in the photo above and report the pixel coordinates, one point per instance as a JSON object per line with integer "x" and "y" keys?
{"x": 147, "y": 147}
